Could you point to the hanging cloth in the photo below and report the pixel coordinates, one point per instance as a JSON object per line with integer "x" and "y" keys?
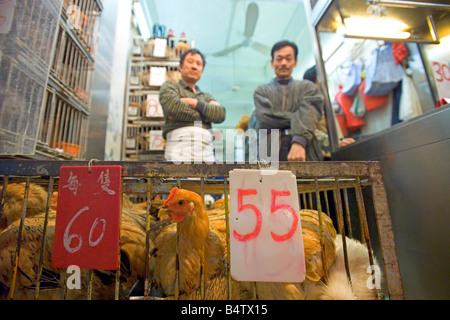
{"x": 352, "y": 79}
{"x": 399, "y": 51}
{"x": 382, "y": 73}
{"x": 351, "y": 121}
{"x": 410, "y": 106}
{"x": 371, "y": 102}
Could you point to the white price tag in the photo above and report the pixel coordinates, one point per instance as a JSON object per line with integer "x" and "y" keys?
{"x": 156, "y": 140}
{"x": 157, "y": 76}
{"x": 159, "y": 50}
{"x": 154, "y": 108}
{"x": 266, "y": 242}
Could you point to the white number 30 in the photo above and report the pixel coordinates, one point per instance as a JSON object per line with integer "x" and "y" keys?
{"x": 68, "y": 238}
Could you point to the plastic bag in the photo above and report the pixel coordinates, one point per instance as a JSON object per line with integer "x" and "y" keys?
{"x": 351, "y": 121}
{"x": 358, "y": 108}
{"x": 352, "y": 80}
{"x": 371, "y": 102}
{"x": 382, "y": 73}
{"x": 410, "y": 106}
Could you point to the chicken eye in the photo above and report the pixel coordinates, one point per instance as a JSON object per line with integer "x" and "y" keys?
{"x": 180, "y": 203}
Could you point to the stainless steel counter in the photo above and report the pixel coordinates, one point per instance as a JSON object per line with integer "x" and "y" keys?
{"x": 415, "y": 162}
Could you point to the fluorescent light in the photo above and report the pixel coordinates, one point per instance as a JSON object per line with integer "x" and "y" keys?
{"x": 376, "y": 28}
{"x": 142, "y": 23}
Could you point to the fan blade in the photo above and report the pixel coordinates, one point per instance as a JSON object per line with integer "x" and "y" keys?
{"x": 262, "y": 48}
{"x": 227, "y": 50}
{"x": 251, "y": 19}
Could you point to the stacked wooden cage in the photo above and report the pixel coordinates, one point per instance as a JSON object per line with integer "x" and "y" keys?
{"x": 150, "y": 65}
{"x": 66, "y": 104}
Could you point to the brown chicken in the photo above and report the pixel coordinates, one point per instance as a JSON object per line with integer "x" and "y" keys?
{"x": 198, "y": 247}
{"x": 132, "y": 250}
{"x": 199, "y": 228}
{"x": 14, "y": 198}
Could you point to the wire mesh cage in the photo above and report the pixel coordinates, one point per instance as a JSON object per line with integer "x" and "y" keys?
{"x": 83, "y": 18}
{"x": 171, "y": 48}
{"x": 145, "y": 141}
{"x": 26, "y": 39}
{"x": 350, "y": 193}
{"x": 72, "y": 68}
{"x": 63, "y": 128}
{"x": 144, "y": 105}
{"x": 146, "y": 75}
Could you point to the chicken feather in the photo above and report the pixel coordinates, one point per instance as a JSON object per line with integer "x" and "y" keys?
{"x": 132, "y": 250}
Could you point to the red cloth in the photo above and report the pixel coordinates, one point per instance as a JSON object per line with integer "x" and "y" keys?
{"x": 352, "y": 122}
{"x": 399, "y": 51}
{"x": 371, "y": 102}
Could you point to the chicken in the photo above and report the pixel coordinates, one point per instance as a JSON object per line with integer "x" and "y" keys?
{"x": 208, "y": 200}
{"x": 198, "y": 247}
{"x": 13, "y": 202}
{"x": 28, "y": 264}
{"x": 199, "y": 228}
{"x": 243, "y": 122}
{"x": 315, "y": 266}
{"x": 338, "y": 286}
{"x": 132, "y": 250}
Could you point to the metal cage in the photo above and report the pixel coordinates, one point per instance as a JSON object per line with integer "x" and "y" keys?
{"x": 351, "y": 193}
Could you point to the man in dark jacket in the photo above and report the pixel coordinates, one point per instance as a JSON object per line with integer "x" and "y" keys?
{"x": 293, "y": 107}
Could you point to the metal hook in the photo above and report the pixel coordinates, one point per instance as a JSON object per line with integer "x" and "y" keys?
{"x": 90, "y": 164}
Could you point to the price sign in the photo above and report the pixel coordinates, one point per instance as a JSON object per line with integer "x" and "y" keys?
{"x": 154, "y": 108}
{"x": 441, "y": 72}
{"x": 266, "y": 242}
{"x": 157, "y": 76}
{"x": 156, "y": 140}
{"x": 88, "y": 218}
{"x": 159, "y": 49}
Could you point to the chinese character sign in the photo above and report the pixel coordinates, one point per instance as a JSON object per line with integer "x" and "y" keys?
{"x": 88, "y": 218}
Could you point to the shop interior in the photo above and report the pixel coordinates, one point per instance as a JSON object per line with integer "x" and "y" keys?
{"x": 81, "y": 79}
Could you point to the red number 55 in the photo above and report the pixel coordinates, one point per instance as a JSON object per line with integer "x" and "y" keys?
{"x": 273, "y": 208}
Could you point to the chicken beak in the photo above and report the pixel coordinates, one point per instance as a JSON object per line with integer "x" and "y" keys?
{"x": 164, "y": 213}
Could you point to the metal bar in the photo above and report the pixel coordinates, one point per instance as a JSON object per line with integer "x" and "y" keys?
{"x": 90, "y": 285}
{"x": 147, "y": 287}
{"x": 338, "y": 204}
{"x": 347, "y": 214}
{"x": 325, "y": 195}
{"x": 3, "y": 197}
{"x": 65, "y": 285}
{"x": 44, "y": 237}
{"x": 202, "y": 262}
{"x": 117, "y": 283}
{"x": 227, "y": 227}
{"x": 386, "y": 234}
{"x": 177, "y": 261}
{"x": 366, "y": 234}
{"x": 432, "y": 27}
{"x": 412, "y": 4}
{"x": 340, "y": 169}
{"x": 322, "y": 238}
{"x": 19, "y": 241}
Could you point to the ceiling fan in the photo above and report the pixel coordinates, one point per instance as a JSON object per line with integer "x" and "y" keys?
{"x": 250, "y": 24}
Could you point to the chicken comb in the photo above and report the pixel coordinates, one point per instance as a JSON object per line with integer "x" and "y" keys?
{"x": 173, "y": 192}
